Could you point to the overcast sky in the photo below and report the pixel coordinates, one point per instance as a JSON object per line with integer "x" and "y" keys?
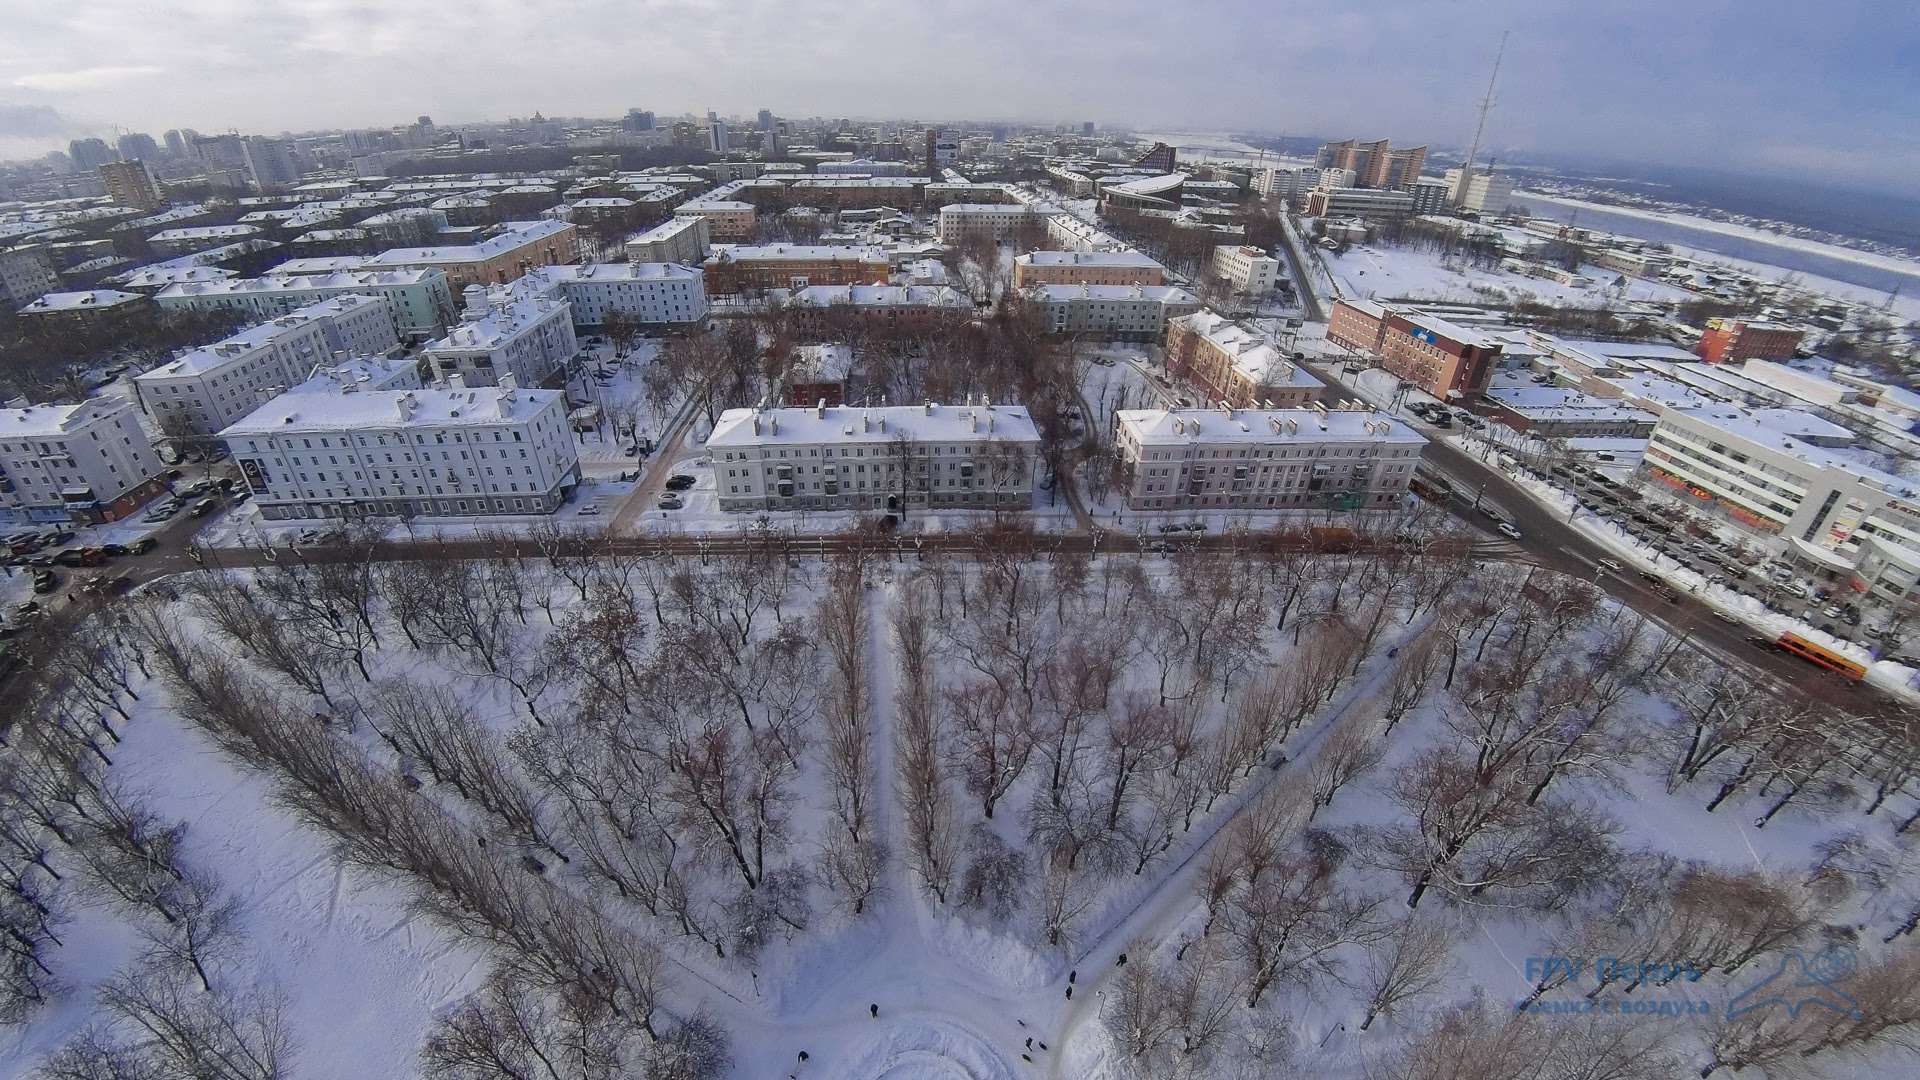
{"x": 1822, "y": 89}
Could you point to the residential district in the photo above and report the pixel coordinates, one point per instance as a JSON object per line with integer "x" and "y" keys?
{"x": 700, "y": 325}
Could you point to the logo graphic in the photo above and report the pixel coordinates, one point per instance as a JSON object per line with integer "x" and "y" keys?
{"x": 1801, "y": 980}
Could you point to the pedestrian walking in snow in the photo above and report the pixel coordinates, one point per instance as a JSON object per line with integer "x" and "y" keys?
{"x": 1029, "y": 1042}
{"x": 875, "y": 1010}
{"x": 1122, "y": 961}
{"x": 1069, "y": 993}
{"x": 1072, "y": 975}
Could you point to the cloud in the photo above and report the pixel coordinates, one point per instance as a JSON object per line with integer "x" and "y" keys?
{"x": 94, "y": 78}
{"x": 35, "y": 122}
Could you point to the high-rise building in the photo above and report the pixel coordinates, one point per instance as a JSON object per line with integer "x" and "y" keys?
{"x": 1486, "y": 191}
{"x": 271, "y": 163}
{"x": 176, "y": 144}
{"x": 716, "y": 133}
{"x": 131, "y": 183}
{"x": 138, "y": 146}
{"x": 89, "y": 154}
{"x": 637, "y": 120}
{"x": 1086, "y": 129}
{"x": 765, "y": 120}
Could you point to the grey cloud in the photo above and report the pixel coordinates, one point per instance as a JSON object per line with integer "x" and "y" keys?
{"x": 19, "y": 121}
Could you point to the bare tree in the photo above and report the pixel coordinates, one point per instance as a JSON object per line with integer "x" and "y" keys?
{"x": 1408, "y": 963}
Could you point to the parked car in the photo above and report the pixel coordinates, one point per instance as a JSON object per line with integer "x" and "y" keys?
{"x": 679, "y": 482}
{"x": 1509, "y": 528}
{"x": 45, "y": 581}
{"x": 142, "y": 545}
{"x": 671, "y": 502}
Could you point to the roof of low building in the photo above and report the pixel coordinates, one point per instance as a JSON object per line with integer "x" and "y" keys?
{"x": 874, "y": 426}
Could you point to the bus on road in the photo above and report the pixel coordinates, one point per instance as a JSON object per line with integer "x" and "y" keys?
{"x": 1815, "y": 653}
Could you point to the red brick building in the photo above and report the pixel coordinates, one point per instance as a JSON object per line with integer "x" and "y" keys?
{"x": 1360, "y": 325}
{"x": 1449, "y": 361}
{"x": 1728, "y": 341}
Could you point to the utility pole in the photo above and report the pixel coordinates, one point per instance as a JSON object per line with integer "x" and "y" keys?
{"x": 1486, "y": 106}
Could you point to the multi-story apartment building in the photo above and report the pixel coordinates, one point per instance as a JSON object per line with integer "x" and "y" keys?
{"x": 131, "y": 183}
{"x": 85, "y": 305}
{"x": 1225, "y": 361}
{"x": 1286, "y": 184}
{"x": 1375, "y": 164}
{"x": 418, "y": 300}
{"x": 1429, "y": 196}
{"x": 1086, "y": 268}
{"x": 428, "y": 453}
{"x": 750, "y": 268}
{"x": 518, "y": 248}
{"x": 355, "y": 324}
{"x": 964, "y": 222}
{"x": 508, "y": 331}
{"x": 199, "y": 238}
{"x": 1731, "y": 340}
{"x": 1111, "y": 312}
{"x": 653, "y": 294}
{"x": 201, "y": 391}
{"x": 685, "y": 240}
{"x": 820, "y": 309}
{"x": 363, "y": 374}
{"x": 26, "y": 273}
{"x": 85, "y": 462}
{"x": 1246, "y": 269}
{"x": 1183, "y": 459}
{"x": 727, "y": 219}
{"x": 978, "y": 457}
{"x": 1445, "y": 359}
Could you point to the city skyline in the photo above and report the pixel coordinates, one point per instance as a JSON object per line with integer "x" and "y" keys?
{"x": 1768, "y": 93}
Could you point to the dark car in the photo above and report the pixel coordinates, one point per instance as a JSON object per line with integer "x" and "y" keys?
{"x": 142, "y": 545}
{"x": 45, "y": 581}
{"x": 114, "y": 551}
{"x": 679, "y": 482}
{"x": 202, "y": 508}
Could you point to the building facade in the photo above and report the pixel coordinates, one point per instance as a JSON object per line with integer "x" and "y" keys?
{"x": 87, "y": 462}
{"x": 1485, "y": 192}
{"x": 978, "y": 457}
{"x": 685, "y": 240}
{"x": 1727, "y": 341}
{"x": 733, "y": 269}
{"x": 727, "y": 220}
{"x": 1225, "y": 361}
{"x": 418, "y": 300}
{"x": 201, "y": 391}
{"x": 131, "y": 183}
{"x": 26, "y": 273}
{"x": 1246, "y": 269}
{"x": 1357, "y": 202}
{"x": 520, "y": 247}
{"x": 505, "y": 333}
{"x": 1360, "y": 325}
{"x": 652, "y": 294}
{"x": 408, "y": 453}
{"x": 1111, "y": 312}
{"x": 964, "y": 222}
{"x": 1449, "y": 361}
{"x": 1185, "y": 459}
{"x": 1086, "y": 268}
{"x": 821, "y": 309}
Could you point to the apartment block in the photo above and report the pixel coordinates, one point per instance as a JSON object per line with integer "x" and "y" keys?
{"x": 87, "y": 462}
{"x": 651, "y": 293}
{"x": 418, "y": 299}
{"x": 507, "y": 332}
{"x": 727, "y": 219}
{"x": 408, "y": 453}
{"x": 963, "y": 222}
{"x": 1225, "y": 361}
{"x": 977, "y": 457}
{"x": 1182, "y": 459}
{"x": 519, "y": 247}
{"x": 1246, "y": 269}
{"x": 1111, "y": 312}
{"x": 742, "y": 268}
{"x": 685, "y": 240}
{"x": 1728, "y": 341}
{"x": 1086, "y": 268}
{"x": 1445, "y": 359}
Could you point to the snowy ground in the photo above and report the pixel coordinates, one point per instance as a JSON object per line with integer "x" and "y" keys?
{"x": 1385, "y": 273}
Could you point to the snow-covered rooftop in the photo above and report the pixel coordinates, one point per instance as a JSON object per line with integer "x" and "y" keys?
{"x": 517, "y": 234}
{"x": 1086, "y": 258}
{"x": 617, "y": 272}
{"x": 53, "y": 421}
{"x": 1265, "y": 426}
{"x": 879, "y": 296}
{"x": 85, "y": 300}
{"x": 389, "y": 408}
{"x": 847, "y": 424}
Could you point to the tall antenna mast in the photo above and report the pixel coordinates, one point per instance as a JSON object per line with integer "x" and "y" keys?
{"x": 1486, "y": 106}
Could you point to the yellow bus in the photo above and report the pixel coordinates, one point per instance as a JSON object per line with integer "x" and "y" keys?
{"x": 1821, "y": 655}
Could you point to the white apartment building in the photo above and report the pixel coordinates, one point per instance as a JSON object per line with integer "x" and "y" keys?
{"x": 426, "y": 453}
{"x": 527, "y": 337}
{"x": 356, "y": 324}
{"x": 206, "y": 389}
{"x": 85, "y": 462}
{"x": 654, "y": 293}
{"x": 1816, "y": 502}
{"x": 25, "y": 274}
{"x": 683, "y": 240}
{"x": 887, "y": 459}
{"x": 727, "y": 219}
{"x": 1111, "y": 312}
{"x": 962, "y": 222}
{"x": 1182, "y": 459}
{"x": 419, "y": 299}
{"x": 1247, "y": 269}
{"x": 1290, "y": 184}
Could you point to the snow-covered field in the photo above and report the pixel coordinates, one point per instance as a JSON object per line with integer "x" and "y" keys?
{"x": 1386, "y": 273}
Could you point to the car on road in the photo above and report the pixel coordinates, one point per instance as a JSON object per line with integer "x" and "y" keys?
{"x": 1509, "y": 528}
{"x": 27, "y": 609}
{"x": 45, "y": 581}
{"x": 142, "y": 545}
{"x": 589, "y": 510}
{"x": 1611, "y": 566}
{"x": 679, "y": 482}
{"x": 203, "y": 508}
{"x": 306, "y": 536}
{"x": 1725, "y": 617}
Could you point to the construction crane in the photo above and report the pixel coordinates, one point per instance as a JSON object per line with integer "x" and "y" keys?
{"x": 1479, "y": 129}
